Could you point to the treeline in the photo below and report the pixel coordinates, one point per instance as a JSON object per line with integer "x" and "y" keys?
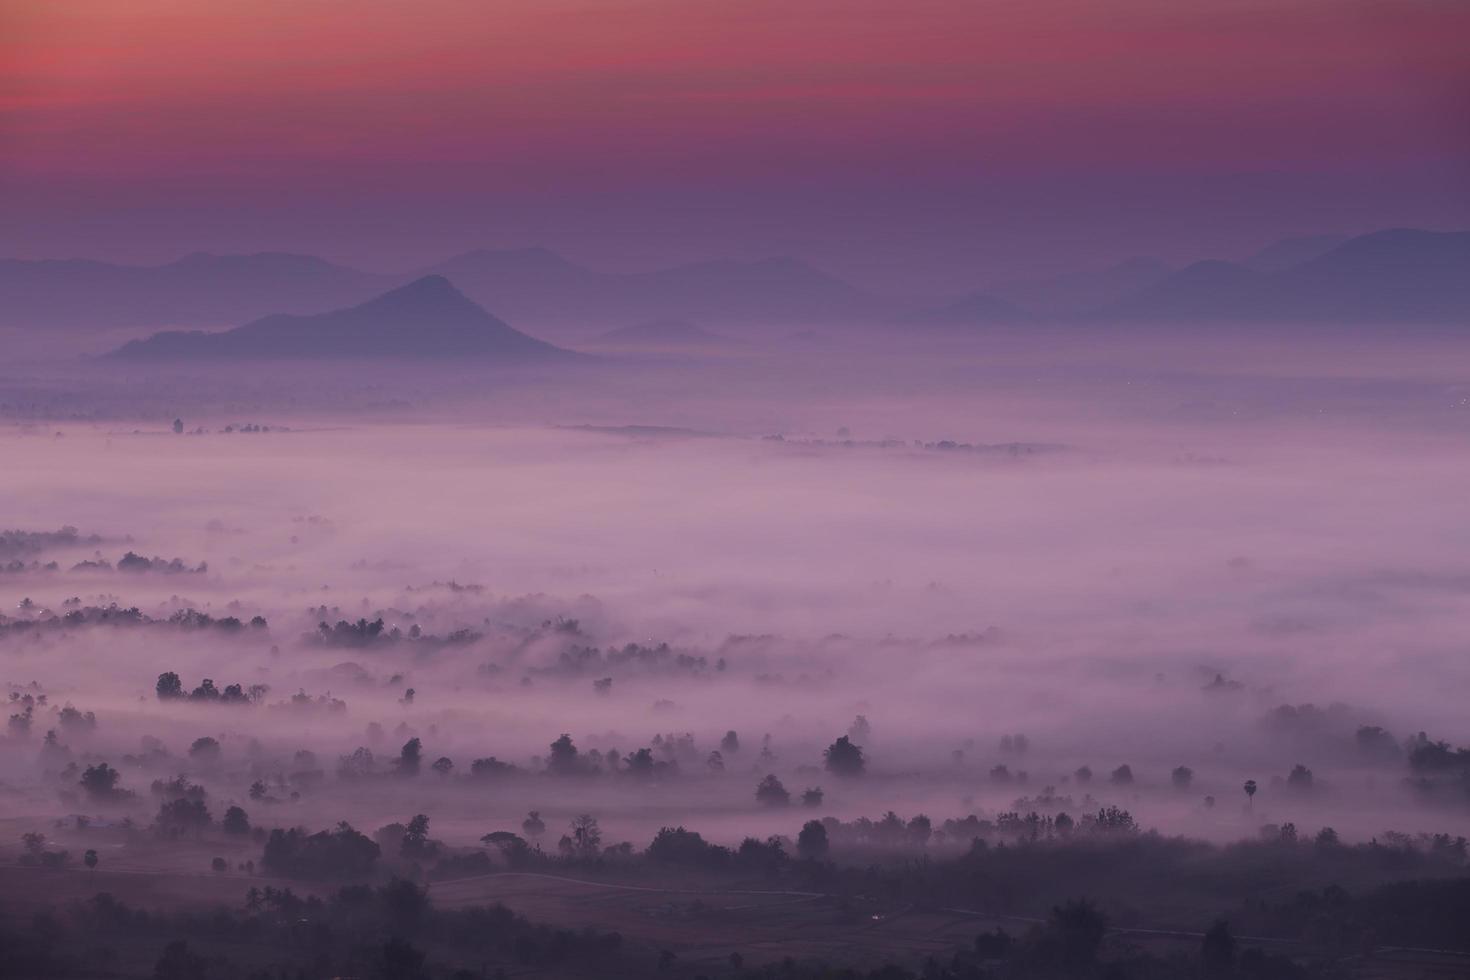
{"x": 112, "y": 614}
{"x": 392, "y": 931}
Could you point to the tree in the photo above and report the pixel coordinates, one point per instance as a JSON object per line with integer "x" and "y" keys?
{"x": 1217, "y": 951}
{"x": 1122, "y": 776}
{"x": 405, "y": 903}
{"x": 416, "y": 842}
{"x": 843, "y": 758}
{"x": 183, "y": 815}
{"x": 1083, "y": 774}
{"x": 1181, "y": 777}
{"x": 339, "y": 853}
{"x": 1327, "y": 838}
{"x": 920, "y": 829}
{"x": 585, "y": 840}
{"x": 90, "y": 860}
{"x": 100, "y": 781}
{"x": 205, "y": 749}
{"x": 859, "y": 731}
{"x": 1250, "y": 792}
{"x": 1078, "y": 928}
{"x": 443, "y": 765}
{"x": 813, "y": 797}
{"x": 178, "y": 427}
{"x": 533, "y": 825}
{"x": 730, "y": 744}
{"x": 564, "y": 760}
{"x": 1300, "y": 780}
{"x": 409, "y": 757}
{"x": 770, "y": 792}
{"x": 169, "y": 687}
{"x": 402, "y": 960}
{"x": 512, "y": 847}
{"x": 179, "y": 963}
{"x": 235, "y": 821}
{"x": 812, "y": 843}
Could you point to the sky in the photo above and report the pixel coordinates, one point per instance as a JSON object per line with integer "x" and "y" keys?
{"x": 915, "y": 144}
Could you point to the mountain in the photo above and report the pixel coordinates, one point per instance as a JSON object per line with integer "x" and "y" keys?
{"x": 1191, "y": 293}
{"x": 197, "y": 290}
{"x": 664, "y": 335}
{"x": 1282, "y": 255}
{"x": 1395, "y": 276}
{"x": 527, "y": 285}
{"x": 974, "y": 310}
{"x": 1401, "y": 275}
{"x": 428, "y": 319}
{"x": 540, "y": 287}
{"x": 1075, "y": 292}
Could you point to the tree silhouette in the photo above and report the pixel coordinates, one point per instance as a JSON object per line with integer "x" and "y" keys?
{"x": 564, "y": 759}
{"x": 812, "y": 842}
{"x": 533, "y": 825}
{"x": 1078, "y": 928}
{"x": 1250, "y": 792}
{"x": 235, "y": 821}
{"x": 409, "y": 757}
{"x": 90, "y": 860}
{"x": 169, "y": 686}
{"x": 586, "y": 837}
{"x": 100, "y": 781}
{"x": 843, "y": 758}
{"x": 770, "y": 792}
{"x": 1218, "y": 949}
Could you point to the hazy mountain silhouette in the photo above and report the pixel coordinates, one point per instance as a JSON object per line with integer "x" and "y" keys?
{"x": 663, "y": 335}
{"x": 1076, "y": 292}
{"x": 1202, "y": 289}
{"x": 538, "y": 286}
{"x": 197, "y": 290}
{"x": 427, "y": 319}
{"x": 1396, "y": 276}
{"x": 1288, "y": 252}
{"x": 974, "y": 310}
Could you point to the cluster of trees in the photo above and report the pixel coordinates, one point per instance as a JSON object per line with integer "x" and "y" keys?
{"x": 115, "y": 615}
{"x": 170, "y": 688}
{"x": 17, "y": 542}
{"x": 658, "y": 658}
{"x": 392, "y": 931}
{"x": 375, "y": 632}
{"x": 134, "y": 562}
{"x": 340, "y": 853}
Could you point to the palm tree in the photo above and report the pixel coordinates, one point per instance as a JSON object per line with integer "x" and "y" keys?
{"x": 1250, "y": 793}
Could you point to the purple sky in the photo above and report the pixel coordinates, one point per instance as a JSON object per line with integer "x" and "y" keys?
{"x": 915, "y": 144}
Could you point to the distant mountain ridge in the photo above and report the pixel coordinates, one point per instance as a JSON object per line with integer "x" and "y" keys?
{"x": 1395, "y": 276}
{"x": 538, "y": 286}
{"x": 428, "y": 319}
{"x": 973, "y": 310}
{"x": 533, "y": 286}
{"x": 199, "y": 289}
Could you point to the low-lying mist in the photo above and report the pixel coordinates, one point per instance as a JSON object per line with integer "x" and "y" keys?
{"x": 1116, "y": 579}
